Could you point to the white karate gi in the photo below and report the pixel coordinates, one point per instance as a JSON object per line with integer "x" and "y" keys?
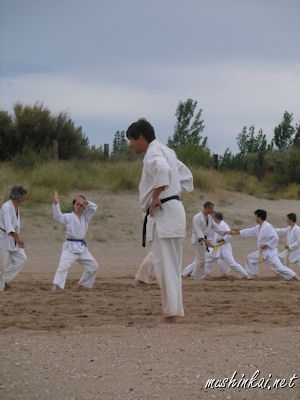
{"x": 201, "y": 229}
{"x": 223, "y": 251}
{"x": 9, "y": 249}
{"x": 75, "y": 251}
{"x": 224, "y": 269}
{"x": 266, "y": 235}
{"x": 167, "y": 228}
{"x": 292, "y": 254}
{"x": 145, "y": 269}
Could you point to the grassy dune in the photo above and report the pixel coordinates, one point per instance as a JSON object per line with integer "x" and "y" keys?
{"x": 118, "y": 177}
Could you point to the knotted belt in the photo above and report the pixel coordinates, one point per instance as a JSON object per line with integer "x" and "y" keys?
{"x": 215, "y": 248}
{"x": 147, "y": 213}
{"x": 261, "y": 256}
{"x": 77, "y": 240}
{"x": 204, "y": 244}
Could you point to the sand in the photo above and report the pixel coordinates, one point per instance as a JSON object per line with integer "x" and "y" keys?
{"x": 105, "y": 343}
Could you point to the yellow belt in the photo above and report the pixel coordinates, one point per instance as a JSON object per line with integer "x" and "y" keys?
{"x": 260, "y": 257}
{"x": 215, "y": 248}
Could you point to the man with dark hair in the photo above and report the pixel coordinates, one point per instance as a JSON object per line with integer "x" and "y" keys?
{"x": 163, "y": 180}
{"x": 203, "y": 226}
{"x": 11, "y": 244}
{"x": 291, "y": 254}
{"x": 267, "y": 241}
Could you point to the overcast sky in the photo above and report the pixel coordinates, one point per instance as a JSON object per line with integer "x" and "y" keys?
{"x": 109, "y": 62}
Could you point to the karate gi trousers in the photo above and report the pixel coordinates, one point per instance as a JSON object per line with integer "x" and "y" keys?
{"x": 16, "y": 259}
{"x": 224, "y": 253}
{"x": 272, "y": 261}
{"x": 145, "y": 269}
{"x": 167, "y": 263}
{"x": 85, "y": 259}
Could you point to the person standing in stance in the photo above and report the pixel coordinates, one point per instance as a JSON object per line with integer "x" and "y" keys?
{"x": 11, "y": 244}
{"x": 267, "y": 242}
{"x": 291, "y": 254}
{"x": 163, "y": 180}
{"x": 74, "y": 248}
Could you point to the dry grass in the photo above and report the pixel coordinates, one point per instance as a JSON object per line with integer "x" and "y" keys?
{"x": 124, "y": 176}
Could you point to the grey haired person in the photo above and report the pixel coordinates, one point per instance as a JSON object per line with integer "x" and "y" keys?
{"x": 12, "y": 253}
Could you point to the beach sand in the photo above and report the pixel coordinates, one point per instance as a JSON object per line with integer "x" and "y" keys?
{"x": 105, "y": 343}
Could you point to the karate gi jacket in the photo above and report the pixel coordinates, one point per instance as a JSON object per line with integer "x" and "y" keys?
{"x": 292, "y": 236}
{"x": 265, "y": 234}
{"x": 202, "y": 228}
{"x": 9, "y": 222}
{"x": 75, "y": 228}
{"x": 162, "y": 168}
{"x": 293, "y": 241}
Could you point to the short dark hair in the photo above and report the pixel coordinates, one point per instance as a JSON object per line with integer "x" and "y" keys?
{"x": 262, "y": 214}
{"x": 17, "y": 191}
{"x": 141, "y": 128}
{"x": 292, "y": 217}
{"x": 80, "y": 195}
{"x": 208, "y": 204}
{"x": 218, "y": 215}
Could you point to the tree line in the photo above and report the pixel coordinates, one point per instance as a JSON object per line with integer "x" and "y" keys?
{"x": 28, "y": 136}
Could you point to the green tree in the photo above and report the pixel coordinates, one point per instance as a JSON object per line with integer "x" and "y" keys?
{"x": 188, "y": 126}
{"x": 296, "y": 141}
{"x": 120, "y": 148}
{"x": 292, "y": 166}
{"x": 248, "y": 142}
{"x": 72, "y": 143}
{"x": 187, "y": 141}
{"x": 119, "y": 142}
{"x": 32, "y": 130}
{"x": 34, "y": 127}
{"x": 284, "y": 132}
{"x": 230, "y": 161}
{"x": 7, "y": 144}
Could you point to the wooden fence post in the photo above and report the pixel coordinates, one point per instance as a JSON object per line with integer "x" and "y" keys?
{"x": 106, "y": 151}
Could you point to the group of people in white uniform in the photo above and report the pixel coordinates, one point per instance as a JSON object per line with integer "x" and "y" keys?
{"x": 211, "y": 239}
{"x": 164, "y": 179}
{"x": 74, "y": 249}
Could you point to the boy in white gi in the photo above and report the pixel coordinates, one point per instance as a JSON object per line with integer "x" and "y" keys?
{"x": 221, "y": 250}
{"x": 267, "y": 241}
{"x": 11, "y": 244}
{"x": 165, "y": 223}
{"x": 74, "y": 248}
{"x": 291, "y": 254}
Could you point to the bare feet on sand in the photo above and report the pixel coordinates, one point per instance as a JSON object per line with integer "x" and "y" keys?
{"x": 174, "y": 319}
{"x": 56, "y": 287}
{"x": 79, "y": 287}
{"x": 137, "y": 282}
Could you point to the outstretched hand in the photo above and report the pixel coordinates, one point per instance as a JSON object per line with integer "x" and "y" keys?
{"x": 56, "y": 197}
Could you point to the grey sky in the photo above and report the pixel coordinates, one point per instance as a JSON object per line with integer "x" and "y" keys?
{"x": 107, "y": 63}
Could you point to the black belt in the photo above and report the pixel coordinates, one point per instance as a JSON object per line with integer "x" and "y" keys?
{"x": 147, "y": 213}
{"x": 201, "y": 242}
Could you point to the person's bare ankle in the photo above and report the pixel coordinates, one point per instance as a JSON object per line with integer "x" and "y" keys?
{"x": 172, "y": 319}
{"x": 55, "y": 287}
